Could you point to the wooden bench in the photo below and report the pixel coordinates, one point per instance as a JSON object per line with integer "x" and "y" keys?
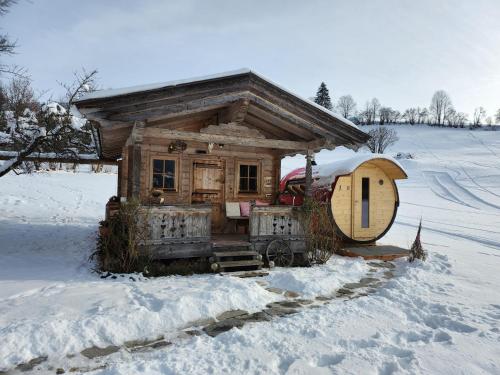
{"x": 233, "y": 213}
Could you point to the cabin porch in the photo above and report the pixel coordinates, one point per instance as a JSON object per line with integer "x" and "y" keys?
{"x": 185, "y": 231}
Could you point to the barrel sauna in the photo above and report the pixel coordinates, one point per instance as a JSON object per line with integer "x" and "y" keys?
{"x": 360, "y": 191}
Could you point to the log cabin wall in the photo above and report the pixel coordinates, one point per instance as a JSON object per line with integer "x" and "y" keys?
{"x": 229, "y": 157}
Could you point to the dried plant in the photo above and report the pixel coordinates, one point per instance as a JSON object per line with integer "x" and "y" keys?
{"x": 122, "y": 245}
{"x": 321, "y": 239}
{"x": 416, "y": 250}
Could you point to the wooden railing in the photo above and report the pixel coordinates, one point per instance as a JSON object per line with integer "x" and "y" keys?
{"x": 174, "y": 224}
{"x": 275, "y": 221}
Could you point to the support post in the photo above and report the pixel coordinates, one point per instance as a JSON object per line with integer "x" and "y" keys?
{"x": 135, "y": 142}
{"x": 308, "y": 189}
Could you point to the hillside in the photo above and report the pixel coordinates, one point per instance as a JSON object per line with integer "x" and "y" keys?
{"x": 441, "y": 316}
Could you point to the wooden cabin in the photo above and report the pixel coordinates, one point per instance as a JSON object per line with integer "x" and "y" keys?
{"x": 361, "y": 191}
{"x": 204, "y": 156}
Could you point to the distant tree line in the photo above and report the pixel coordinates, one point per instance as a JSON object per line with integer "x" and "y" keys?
{"x": 440, "y": 112}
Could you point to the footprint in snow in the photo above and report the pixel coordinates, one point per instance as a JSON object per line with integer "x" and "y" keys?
{"x": 441, "y": 336}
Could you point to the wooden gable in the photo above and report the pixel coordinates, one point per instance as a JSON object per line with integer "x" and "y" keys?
{"x": 240, "y": 108}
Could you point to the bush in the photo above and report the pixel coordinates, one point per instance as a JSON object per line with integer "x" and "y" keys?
{"x": 121, "y": 241}
{"x": 321, "y": 239}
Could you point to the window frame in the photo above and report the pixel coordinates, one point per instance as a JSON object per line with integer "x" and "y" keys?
{"x": 365, "y": 202}
{"x": 175, "y": 190}
{"x": 255, "y": 163}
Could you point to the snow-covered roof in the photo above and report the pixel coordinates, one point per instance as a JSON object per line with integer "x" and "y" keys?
{"x": 325, "y": 174}
{"x": 101, "y": 94}
{"x": 109, "y": 93}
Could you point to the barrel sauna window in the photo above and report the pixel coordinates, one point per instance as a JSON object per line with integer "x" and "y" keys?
{"x": 248, "y": 178}
{"x": 164, "y": 174}
{"x": 365, "y": 202}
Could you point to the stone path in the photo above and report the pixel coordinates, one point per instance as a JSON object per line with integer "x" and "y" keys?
{"x": 224, "y": 322}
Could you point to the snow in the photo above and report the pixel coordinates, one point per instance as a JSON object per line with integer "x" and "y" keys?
{"x": 325, "y": 174}
{"x": 437, "y": 317}
{"x": 101, "y": 94}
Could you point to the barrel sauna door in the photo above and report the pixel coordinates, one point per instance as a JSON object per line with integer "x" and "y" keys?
{"x": 208, "y": 188}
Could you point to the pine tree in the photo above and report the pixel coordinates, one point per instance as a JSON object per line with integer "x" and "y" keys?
{"x": 323, "y": 97}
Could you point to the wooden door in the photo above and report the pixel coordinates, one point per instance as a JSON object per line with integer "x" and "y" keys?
{"x": 208, "y": 187}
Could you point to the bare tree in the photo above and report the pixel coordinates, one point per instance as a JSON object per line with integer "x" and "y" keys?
{"x": 7, "y": 46}
{"x": 497, "y": 117}
{"x": 20, "y": 97}
{"x": 422, "y": 115}
{"x": 411, "y": 115}
{"x": 380, "y": 139}
{"x": 51, "y": 129}
{"x": 386, "y": 115}
{"x": 440, "y": 104}
{"x": 395, "y": 117}
{"x": 83, "y": 82}
{"x": 479, "y": 115}
{"x": 450, "y": 116}
{"x": 369, "y": 114}
{"x": 461, "y": 119}
{"x": 366, "y": 115}
{"x": 374, "y": 108}
{"x": 346, "y": 106}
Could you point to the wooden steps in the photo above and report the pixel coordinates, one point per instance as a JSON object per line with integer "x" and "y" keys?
{"x": 234, "y": 256}
{"x": 239, "y": 263}
{"x": 236, "y": 253}
{"x": 222, "y": 244}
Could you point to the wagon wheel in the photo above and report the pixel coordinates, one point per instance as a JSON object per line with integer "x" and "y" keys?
{"x": 280, "y": 253}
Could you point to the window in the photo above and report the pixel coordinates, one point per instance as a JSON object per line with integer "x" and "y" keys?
{"x": 365, "y": 202}
{"x": 164, "y": 174}
{"x": 249, "y": 181}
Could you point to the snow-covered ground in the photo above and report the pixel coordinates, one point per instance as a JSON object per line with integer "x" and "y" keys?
{"x": 437, "y": 317}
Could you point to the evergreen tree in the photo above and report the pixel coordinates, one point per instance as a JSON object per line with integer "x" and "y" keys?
{"x": 323, "y": 97}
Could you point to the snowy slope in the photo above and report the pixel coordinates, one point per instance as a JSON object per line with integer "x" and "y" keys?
{"x": 440, "y": 317}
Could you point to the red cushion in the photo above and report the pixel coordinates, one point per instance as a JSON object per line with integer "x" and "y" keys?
{"x": 245, "y": 208}
{"x": 261, "y": 203}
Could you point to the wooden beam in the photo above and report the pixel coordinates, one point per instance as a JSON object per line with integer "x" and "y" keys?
{"x": 225, "y": 139}
{"x": 136, "y": 134}
{"x": 321, "y": 144}
{"x": 308, "y": 188}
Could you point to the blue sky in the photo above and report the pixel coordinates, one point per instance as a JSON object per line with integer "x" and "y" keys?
{"x": 399, "y": 51}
